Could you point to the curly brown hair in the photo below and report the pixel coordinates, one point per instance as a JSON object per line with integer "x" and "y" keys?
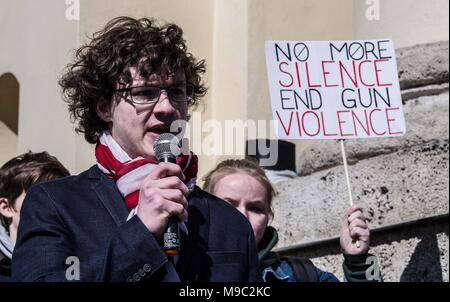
{"x": 105, "y": 61}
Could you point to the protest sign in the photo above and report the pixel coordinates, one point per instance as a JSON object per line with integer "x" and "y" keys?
{"x": 334, "y": 89}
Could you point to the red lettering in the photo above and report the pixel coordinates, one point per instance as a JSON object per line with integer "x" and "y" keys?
{"x": 324, "y": 129}
{"x": 298, "y": 124}
{"x": 378, "y": 70}
{"x": 361, "y": 74}
{"x": 340, "y": 122}
{"x": 308, "y": 78}
{"x": 298, "y": 75}
{"x": 318, "y": 123}
{"x": 354, "y": 80}
{"x": 371, "y": 122}
{"x": 325, "y": 74}
{"x": 285, "y": 72}
{"x": 282, "y": 124}
{"x": 389, "y": 120}
{"x": 355, "y": 118}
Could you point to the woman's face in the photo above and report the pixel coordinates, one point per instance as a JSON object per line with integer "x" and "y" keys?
{"x": 248, "y": 195}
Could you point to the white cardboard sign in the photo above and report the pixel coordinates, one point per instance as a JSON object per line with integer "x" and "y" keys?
{"x": 334, "y": 89}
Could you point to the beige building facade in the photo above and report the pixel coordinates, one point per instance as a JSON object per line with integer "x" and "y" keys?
{"x": 38, "y": 39}
{"x": 403, "y": 183}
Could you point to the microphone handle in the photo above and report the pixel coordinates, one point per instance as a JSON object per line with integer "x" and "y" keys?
{"x": 171, "y": 236}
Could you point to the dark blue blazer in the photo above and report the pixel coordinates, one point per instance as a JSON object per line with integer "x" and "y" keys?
{"x": 85, "y": 216}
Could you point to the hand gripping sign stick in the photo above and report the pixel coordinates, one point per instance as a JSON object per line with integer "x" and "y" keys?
{"x": 344, "y": 159}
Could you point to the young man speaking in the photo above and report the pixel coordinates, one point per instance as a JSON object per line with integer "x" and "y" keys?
{"x": 124, "y": 89}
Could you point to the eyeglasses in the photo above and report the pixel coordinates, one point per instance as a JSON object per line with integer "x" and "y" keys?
{"x": 149, "y": 95}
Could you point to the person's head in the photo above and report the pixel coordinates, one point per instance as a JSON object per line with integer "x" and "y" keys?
{"x": 17, "y": 176}
{"x": 244, "y": 185}
{"x": 115, "y": 79}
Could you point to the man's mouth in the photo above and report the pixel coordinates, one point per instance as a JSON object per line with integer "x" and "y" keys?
{"x": 158, "y": 130}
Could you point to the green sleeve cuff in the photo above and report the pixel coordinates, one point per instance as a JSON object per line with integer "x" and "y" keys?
{"x": 361, "y": 268}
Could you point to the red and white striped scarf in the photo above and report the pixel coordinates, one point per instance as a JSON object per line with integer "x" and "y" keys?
{"x": 129, "y": 173}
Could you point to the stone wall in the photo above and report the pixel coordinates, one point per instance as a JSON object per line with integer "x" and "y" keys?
{"x": 398, "y": 181}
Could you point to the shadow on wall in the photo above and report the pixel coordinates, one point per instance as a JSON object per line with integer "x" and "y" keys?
{"x": 424, "y": 263}
{"x": 9, "y": 101}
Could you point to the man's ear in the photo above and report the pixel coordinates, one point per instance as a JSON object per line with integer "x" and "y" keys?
{"x": 5, "y": 209}
{"x": 103, "y": 109}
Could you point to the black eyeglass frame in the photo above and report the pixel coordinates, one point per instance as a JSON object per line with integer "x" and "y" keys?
{"x": 187, "y": 99}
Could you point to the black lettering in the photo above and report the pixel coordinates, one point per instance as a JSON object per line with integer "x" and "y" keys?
{"x": 297, "y": 96}
{"x": 353, "y": 101}
{"x": 361, "y": 99}
{"x": 386, "y": 100}
{"x": 382, "y": 49}
{"x": 370, "y": 48}
{"x": 288, "y": 55}
{"x": 286, "y": 99}
{"x": 301, "y": 52}
{"x": 344, "y": 46}
{"x": 356, "y": 51}
{"x": 319, "y": 105}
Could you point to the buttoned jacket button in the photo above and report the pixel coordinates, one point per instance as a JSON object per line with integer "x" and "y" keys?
{"x": 141, "y": 272}
{"x": 136, "y": 277}
{"x": 147, "y": 268}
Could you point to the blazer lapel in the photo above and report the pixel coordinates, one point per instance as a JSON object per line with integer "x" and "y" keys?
{"x": 109, "y": 195}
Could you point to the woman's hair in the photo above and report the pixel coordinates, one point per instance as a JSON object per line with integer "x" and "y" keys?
{"x": 106, "y": 60}
{"x": 231, "y": 166}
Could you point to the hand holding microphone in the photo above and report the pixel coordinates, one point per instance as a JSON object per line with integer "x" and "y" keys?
{"x": 162, "y": 197}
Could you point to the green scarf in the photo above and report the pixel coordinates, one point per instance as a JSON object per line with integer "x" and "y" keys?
{"x": 268, "y": 241}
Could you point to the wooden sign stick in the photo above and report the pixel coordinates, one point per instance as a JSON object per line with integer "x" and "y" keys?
{"x": 344, "y": 159}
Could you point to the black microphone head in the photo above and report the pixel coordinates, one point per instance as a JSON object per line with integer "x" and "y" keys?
{"x": 167, "y": 147}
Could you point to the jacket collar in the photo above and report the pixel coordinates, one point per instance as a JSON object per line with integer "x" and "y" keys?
{"x": 95, "y": 173}
{"x": 268, "y": 241}
{"x": 109, "y": 195}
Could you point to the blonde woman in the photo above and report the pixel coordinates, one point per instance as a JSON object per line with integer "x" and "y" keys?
{"x": 244, "y": 184}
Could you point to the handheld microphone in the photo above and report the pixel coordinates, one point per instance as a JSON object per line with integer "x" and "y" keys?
{"x": 166, "y": 148}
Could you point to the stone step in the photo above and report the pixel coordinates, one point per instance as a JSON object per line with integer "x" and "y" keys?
{"x": 406, "y": 185}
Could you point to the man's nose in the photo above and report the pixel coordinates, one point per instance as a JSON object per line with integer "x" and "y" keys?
{"x": 164, "y": 106}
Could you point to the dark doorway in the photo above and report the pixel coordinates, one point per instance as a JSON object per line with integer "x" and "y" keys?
{"x": 9, "y": 101}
